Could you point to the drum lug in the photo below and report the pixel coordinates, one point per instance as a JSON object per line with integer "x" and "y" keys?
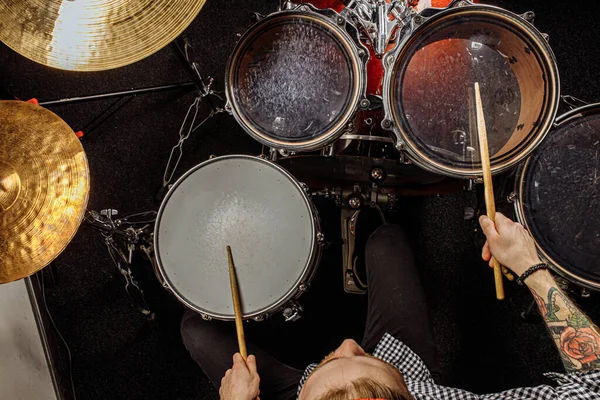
{"x": 528, "y": 16}
{"x": 228, "y": 107}
{"x": 328, "y": 151}
{"x": 292, "y": 312}
{"x": 304, "y": 187}
{"x": 206, "y": 317}
{"x": 303, "y": 287}
{"x": 546, "y": 37}
{"x": 256, "y": 16}
{"x": 211, "y": 156}
{"x": 512, "y": 198}
{"x": 461, "y": 3}
{"x": 400, "y": 145}
{"x": 364, "y": 104}
{"x": 320, "y": 238}
{"x": 260, "y": 318}
{"x": 469, "y": 185}
{"x": 284, "y": 152}
{"x": 585, "y": 293}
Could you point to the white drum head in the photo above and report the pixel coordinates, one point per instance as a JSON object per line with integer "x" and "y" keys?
{"x": 252, "y": 205}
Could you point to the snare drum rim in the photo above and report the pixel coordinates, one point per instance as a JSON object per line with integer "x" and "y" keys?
{"x": 520, "y": 209}
{"x": 352, "y": 46}
{"x": 392, "y": 60}
{"x": 305, "y": 277}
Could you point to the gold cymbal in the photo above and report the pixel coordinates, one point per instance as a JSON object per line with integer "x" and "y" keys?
{"x": 44, "y": 185}
{"x": 92, "y": 35}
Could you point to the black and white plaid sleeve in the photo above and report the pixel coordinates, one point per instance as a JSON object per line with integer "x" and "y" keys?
{"x": 573, "y": 386}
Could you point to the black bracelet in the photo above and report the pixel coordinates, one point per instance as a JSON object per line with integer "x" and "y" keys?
{"x": 521, "y": 279}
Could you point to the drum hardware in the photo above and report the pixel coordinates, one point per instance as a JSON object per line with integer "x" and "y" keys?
{"x": 374, "y": 18}
{"x": 528, "y": 16}
{"x": 573, "y": 102}
{"x": 292, "y": 311}
{"x": 133, "y": 231}
{"x": 352, "y": 283}
{"x": 349, "y": 216}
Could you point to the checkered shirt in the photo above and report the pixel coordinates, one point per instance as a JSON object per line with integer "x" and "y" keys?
{"x": 572, "y": 386}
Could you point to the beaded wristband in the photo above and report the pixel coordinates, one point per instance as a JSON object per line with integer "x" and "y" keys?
{"x": 521, "y": 279}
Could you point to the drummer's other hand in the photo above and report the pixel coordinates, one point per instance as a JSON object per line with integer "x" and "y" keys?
{"x": 241, "y": 381}
{"x": 509, "y": 243}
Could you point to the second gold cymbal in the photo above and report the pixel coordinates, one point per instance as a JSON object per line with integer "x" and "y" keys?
{"x": 92, "y": 35}
{"x": 44, "y": 185}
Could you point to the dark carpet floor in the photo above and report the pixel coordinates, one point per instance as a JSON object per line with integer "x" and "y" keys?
{"x": 484, "y": 345}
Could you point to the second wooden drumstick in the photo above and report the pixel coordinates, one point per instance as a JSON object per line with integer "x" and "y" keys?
{"x": 237, "y": 308}
{"x": 488, "y": 187}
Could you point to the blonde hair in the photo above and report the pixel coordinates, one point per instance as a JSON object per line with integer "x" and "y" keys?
{"x": 366, "y": 388}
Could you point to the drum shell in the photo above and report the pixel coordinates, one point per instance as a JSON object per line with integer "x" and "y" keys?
{"x": 347, "y": 33}
{"x": 298, "y": 288}
{"x": 516, "y": 197}
{"x": 420, "y": 25}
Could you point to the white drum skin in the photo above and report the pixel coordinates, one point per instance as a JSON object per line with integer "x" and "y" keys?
{"x": 258, "y": 209}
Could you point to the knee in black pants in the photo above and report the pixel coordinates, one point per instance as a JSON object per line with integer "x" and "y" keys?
{"x": 387, "y": 240}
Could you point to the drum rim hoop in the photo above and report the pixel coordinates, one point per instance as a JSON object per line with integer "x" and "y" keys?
{"x": 549, "y": 60}
{"x": 519, "y": 208}
{"x": 358, "y": 82}
{"x": 306, "y": 275}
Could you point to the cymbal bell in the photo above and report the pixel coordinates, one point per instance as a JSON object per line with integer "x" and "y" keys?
{"x": 44, "y": 186}
{"x": 92, "y": 35}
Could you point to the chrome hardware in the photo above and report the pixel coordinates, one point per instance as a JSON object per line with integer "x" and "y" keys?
{"x": 292, "y": 312}
{"x": 377, "y": 174}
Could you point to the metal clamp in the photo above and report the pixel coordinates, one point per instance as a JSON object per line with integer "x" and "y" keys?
{"x": 292, "y": 312}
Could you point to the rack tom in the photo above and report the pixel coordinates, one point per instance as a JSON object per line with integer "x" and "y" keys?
{"x": 557, "y": 196}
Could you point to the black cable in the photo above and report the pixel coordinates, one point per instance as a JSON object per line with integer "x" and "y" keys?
{"x": 43, "y": 289}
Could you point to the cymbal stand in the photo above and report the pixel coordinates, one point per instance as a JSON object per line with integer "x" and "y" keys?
{"x": 122, "y": 98}
{"x": 134, "y": 231}
{"x": 189, "y": 126}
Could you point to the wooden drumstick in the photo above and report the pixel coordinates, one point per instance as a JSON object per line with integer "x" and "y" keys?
{"x": 237, "y": 308}
{"x": 488, "y": 187}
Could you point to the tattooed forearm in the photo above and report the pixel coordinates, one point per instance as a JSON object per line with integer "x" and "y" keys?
{"x": 577, "y": 338}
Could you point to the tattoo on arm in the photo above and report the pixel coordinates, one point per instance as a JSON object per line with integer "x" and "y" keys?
{"x": 575, "y": 335}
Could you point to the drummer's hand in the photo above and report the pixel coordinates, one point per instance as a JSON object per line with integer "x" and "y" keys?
{"x": 509, "y": 243}
{"x": 241, "y": 381}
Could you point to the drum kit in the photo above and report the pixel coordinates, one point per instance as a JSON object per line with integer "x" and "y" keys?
{"x": 361, "y": 102}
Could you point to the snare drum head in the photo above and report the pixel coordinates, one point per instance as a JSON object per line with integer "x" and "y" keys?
{"x": 294, "y": 80}
{"x": 560, "y": 197}
{"x": 255, "y": 207}
{"x": 430, "y": 90}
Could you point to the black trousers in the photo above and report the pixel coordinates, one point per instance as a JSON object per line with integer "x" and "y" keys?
{"x": 396, "y": 305}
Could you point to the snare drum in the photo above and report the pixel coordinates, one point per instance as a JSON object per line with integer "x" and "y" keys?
{"x": 429, "y": 81}
{"x": 296, "y": 78}
{"x": 557, "y": 196}
{"x": 258, "y": 209}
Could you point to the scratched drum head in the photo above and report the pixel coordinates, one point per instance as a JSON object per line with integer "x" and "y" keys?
{"x": 429, "y": 89}
{"x": 559, "y": 196}
{"x": 295, "y": 80}
{"x": 252, "y": 205}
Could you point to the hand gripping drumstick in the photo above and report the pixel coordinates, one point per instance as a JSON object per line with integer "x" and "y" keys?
{"x": 235, "y": 294}
{"x": 488, "y": 188}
